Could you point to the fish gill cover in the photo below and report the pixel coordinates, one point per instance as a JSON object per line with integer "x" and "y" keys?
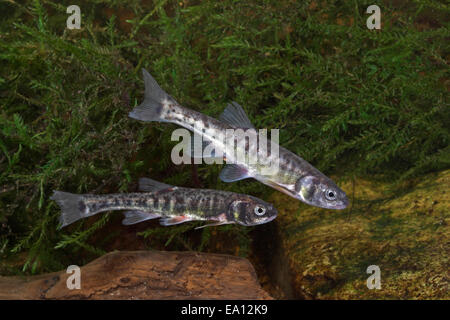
{"x": 356, "y": 103}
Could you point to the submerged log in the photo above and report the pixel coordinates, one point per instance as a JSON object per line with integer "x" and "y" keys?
{"x": 145, "y": 275}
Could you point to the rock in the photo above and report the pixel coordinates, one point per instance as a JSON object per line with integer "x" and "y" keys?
{"x": 146, "y": 275}
{"x": 405, "y": 231}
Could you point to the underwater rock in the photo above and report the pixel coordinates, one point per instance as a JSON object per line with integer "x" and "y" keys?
{"x": 402, "y": 230}
{"x": 145, "y": 275}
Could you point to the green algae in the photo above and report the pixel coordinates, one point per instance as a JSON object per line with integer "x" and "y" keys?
{"x": 407, "y": 235}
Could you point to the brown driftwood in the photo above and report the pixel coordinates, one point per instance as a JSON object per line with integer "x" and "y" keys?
{"x": 145, "y": 275}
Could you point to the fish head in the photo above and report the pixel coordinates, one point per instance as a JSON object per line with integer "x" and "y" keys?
{"x": 320, "y": 192}
{"x": 251, "y": 211}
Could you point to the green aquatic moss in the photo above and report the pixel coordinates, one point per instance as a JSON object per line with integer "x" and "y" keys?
{"x": 349, "y": 100}
{"x": 404, "y": 231}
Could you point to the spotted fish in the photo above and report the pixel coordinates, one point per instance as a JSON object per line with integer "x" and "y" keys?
{"x": 173, "y": 205}
{"x": 295, "y": 176}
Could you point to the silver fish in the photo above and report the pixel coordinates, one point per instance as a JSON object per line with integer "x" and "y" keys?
{"x": 173, "y": 205}
{"x": 295, "y": 177}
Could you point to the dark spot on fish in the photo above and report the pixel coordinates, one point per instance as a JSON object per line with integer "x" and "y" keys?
{"x": 81, "y": 206}
{"x": 215, "y": 199}
{"x": 179, "y": 199}
{"x": 191, "y": 200}
{"x": 283, "y": 165}
{"x": 166, "y": 203}
{"x": 204, "y": 119}
{"x": 159, "y": 108}
{"x": 101, "y": 205}
{"x": 242, "y": 212}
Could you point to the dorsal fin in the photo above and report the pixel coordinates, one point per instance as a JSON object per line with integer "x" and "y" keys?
{"x": 150, "y": 185}
{"x": 235, "y": 116}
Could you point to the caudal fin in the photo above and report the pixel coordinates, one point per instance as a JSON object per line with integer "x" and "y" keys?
{"x": 155, "y": 101}
{"x": 72, "y": 207}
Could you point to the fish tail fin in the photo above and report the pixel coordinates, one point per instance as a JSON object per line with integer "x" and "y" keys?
{"x": 156, "y": 101}
{"x": 72, "y": 207}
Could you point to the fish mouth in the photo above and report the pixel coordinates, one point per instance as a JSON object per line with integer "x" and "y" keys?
{"x": 338, "y": 206}
{"x": 344, "y": 204}
{"x": 266, "y": 220}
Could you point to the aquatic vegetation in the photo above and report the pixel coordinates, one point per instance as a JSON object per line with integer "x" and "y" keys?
{"x": 403, "y": 231}
{"x": 352, "y": 102}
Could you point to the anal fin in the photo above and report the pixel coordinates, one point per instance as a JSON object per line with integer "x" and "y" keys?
{"x": 170, "y": 221}
{"x": 214, "y": 224}
{"x": 135, "y": 216}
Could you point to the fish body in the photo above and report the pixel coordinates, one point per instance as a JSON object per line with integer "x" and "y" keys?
{"x": 173, "y": 205}
{"x": 294, "y": 176}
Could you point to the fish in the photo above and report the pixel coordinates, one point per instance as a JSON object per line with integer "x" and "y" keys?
{"x": 294, "y": 177}
{"x": 172, "y": 205}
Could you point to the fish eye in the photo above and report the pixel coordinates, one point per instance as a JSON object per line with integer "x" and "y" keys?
{"x": 330, "y": 195}
{"x": 260, "y": 210}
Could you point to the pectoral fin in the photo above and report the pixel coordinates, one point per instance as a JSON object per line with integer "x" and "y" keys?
{"x": 233, "y": 172}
